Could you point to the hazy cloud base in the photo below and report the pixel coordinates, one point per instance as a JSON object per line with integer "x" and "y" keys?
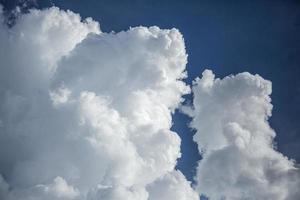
{"x": 87, "y": 115}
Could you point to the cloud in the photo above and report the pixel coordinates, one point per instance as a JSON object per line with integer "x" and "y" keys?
{"x": 240, "y": 160}
{"x": 172, "y": 186}
{"x": 86, "y": 114}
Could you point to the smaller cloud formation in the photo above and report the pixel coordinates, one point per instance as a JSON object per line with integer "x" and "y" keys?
{"x": 14, "y": 9}
{"x": 236, "y": 141}
{"x": 86, "y": 115}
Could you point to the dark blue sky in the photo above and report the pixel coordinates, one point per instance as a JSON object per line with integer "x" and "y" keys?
{"x": 226, "y": 36}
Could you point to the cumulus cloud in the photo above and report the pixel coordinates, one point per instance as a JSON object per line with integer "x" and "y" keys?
{"x": 240, "y": 160}
{"x": 86, "y": 114}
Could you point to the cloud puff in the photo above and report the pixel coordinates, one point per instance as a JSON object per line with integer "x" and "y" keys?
{"x": 171, "y": 186}
{"x": 86, "y": 114}
{"x": 236, "y": 140}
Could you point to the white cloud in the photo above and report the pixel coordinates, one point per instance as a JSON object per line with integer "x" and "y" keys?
{"x": 236, "y": 141}
{"x": 86, "y": 114}
{"x": 172, "y": 186}
{"x": 59, "y": 189}
{"x": 60, "y": 95}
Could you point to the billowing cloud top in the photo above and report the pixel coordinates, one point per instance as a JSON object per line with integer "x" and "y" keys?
{"x": 86, "y": 114}
{"x": 236, "y": 141}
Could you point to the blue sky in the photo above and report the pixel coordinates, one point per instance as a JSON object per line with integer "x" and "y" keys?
{"x": 228, "y": 37}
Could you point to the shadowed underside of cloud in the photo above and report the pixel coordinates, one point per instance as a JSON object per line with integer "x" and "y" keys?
{"x": 236, "y": 141}
{"x": 86, "y": 114}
